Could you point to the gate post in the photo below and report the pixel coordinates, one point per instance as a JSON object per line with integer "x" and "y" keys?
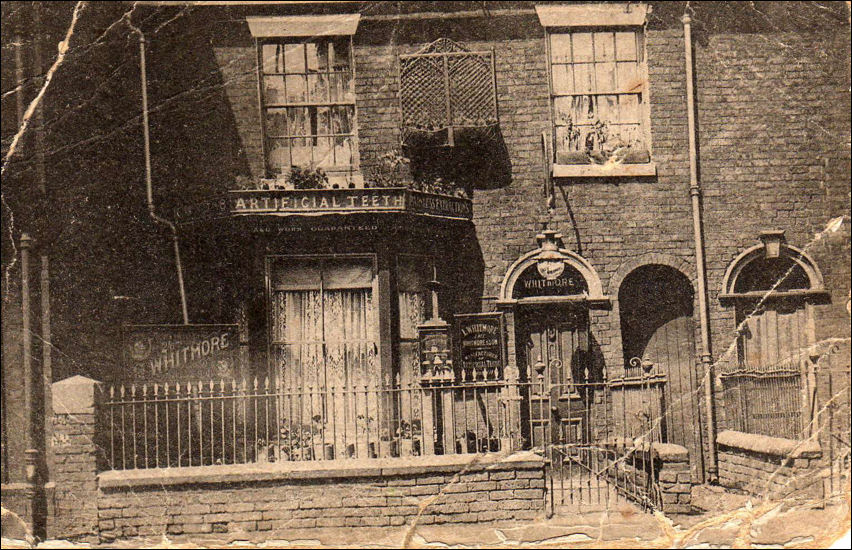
{"x": 511, "y": 391}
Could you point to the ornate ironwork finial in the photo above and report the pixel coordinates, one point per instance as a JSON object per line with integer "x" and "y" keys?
{"x": 646, "y": 365}
{"x": 539, "y": 367}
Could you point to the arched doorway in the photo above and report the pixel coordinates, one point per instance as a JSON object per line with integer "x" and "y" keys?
{"x": 658, "y": 338}
{"x": 768, "y": 386}
{"x": 546, "y": 296}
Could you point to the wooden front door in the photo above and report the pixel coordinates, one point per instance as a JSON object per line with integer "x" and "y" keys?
{"x": 671, "y": 348}
{"x": 554, "y": 343}
{"x": 657, "y": 328}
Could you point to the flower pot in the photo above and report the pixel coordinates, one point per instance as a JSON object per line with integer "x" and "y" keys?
{"x": 323, "y": 451}
{"x": 388, "y": 449}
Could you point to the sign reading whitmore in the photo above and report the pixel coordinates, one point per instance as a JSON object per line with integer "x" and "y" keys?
{"x": 326, "y": 201}
{"x": 177, "y": 353}
{"x": 479, "y": 337}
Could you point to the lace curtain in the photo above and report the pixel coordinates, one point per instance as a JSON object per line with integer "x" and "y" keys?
{"x": 326, "y": 355}
{"x": 412, "y": 312}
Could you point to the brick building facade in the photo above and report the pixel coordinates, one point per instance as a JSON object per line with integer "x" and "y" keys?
{"x": 771, "y": 154}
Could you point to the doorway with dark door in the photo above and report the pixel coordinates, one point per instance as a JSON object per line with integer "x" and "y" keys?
{"x": 553, "y": 360}
{"x": 658, "y": 341}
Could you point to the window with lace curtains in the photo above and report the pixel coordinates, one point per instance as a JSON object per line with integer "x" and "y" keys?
{"x": 309, "y": 105}
{"x": 598, "y": 92}
{"x": 413, "y": 275}
{"x": 324, "y": 343}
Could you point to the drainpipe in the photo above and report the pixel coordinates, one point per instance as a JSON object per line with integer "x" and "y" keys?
{"x": 148, "y": 184}
{"x": 44, "y": 273}
{"x": 701, "y": 272}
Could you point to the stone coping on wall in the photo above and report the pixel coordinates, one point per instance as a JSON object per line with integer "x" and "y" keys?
{"x": 764, "y": 444}
{"x": 326, "y": 469}
{"x": 667, "y": 452}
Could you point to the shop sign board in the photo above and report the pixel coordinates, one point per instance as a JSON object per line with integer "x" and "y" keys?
{"x": 311, "y": 202}
{"x": 179, "y": 353}
{"x": 480, "y": 339}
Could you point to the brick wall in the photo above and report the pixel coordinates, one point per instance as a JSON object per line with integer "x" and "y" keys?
{"x": 244, "y": 499}
{"x": 664, "y": 466}
{"x": 769, "y": 466}
{"x": 76, "y": 459}
{"x": 774, "y": 142}
{"x": 773, "y": 113}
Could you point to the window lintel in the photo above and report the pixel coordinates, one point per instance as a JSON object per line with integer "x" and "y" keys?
{"x": 593, "y": 15}
{"x": 303, "y": 25}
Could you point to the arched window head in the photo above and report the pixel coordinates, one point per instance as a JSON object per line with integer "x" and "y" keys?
{"x": 765, "y": 274}
{"x": 772, "y": 266}
{"x": 551, "y": 273}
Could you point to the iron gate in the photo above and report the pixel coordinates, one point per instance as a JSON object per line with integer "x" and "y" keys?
{"x": 600, "y": 441}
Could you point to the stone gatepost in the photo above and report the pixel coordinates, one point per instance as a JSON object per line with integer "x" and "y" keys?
{"x": 77, "y": 457}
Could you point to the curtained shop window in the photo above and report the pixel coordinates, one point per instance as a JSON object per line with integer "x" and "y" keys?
{"x": 414, "y": 273}
{"x": 325, "y": 345}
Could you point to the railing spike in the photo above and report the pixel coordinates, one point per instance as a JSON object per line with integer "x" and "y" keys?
{"x": 145, "y": 390}
{"x": 156, "y": 389}
{"x": 121, "y": 391}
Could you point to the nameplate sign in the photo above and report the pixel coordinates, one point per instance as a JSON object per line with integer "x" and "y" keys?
{"x": 535, "y": 282}
{"x": 179, "y": 353}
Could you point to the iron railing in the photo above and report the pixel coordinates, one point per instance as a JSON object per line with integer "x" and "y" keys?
{"x": 236, "y": 422}
{"x": 765, "y": 400}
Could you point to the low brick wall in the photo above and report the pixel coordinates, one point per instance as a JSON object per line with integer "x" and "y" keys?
{"x": 17, "y": 510}
{"x": 271, "y": 497}
{"x": 245, "y": 498}
{"x": 668, "y": 466}
{"x": 769, "y": 466}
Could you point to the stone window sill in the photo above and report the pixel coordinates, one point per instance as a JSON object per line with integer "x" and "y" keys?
{"x": 327, "y": 469}
{"x": 764, "y": 444}
{"x": 609, "y": 170}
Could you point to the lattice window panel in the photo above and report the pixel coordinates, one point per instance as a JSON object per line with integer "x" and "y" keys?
{"x": 443, "y": 88}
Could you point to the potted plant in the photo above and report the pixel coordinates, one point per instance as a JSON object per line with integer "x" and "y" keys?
{"x": 321, "y": 449}
{"x": 307, "y": 178}
{"x": 409, "y": 435}
{"x": 391, "y": 170}
{"x": 387, "y": 446}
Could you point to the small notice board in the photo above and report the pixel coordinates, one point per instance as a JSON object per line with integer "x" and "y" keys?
{"x": 480, "y": 340}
